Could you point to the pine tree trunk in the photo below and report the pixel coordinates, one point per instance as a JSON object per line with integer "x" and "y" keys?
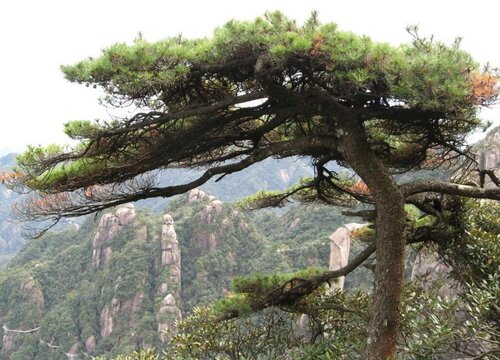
{"x": 384, "y": 325}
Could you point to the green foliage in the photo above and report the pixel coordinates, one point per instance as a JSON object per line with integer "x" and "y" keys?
{"x": 177, "y": 73}
{"x": 75, "y": 292}
{"x": 274, "y": 333}
{"x": 148, "y": 354}
{"x": 288, "y": 240}
{"x": 258, "y": 283}
{"x": 80, "y": 129}
{"x": 201, "y": 336}
{"x": 475, "y": 254}
{"x": 434, "y": 326}
{"x": 425, "y": 74}
{"x": 436, "y": 314}
{"x": 287, "y": 231}
{"x": 305, "y": 191}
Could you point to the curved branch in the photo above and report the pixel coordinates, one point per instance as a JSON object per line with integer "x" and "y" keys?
{"x": 295, "y": 289}
{"x": 449, "y": 188}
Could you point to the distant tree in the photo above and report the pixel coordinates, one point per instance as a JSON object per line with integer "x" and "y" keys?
{"x": 272, "y": 88}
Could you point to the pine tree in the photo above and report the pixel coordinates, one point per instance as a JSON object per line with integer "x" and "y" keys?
{"x": 272, "y": 88}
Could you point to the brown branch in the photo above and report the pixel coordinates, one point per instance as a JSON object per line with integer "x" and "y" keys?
{"x": 485, "y": 354}
{"x": 491, "y": 174}
{"x": 398, "y": 114}
{"x": 77, "y": 203}
{"x": 449, "y": 188}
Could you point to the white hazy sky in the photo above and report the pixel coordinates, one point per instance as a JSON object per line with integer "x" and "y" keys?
{"x": 38, "y": 36}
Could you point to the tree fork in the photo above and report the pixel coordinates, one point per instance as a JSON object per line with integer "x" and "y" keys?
{"x": 385, "y": 321}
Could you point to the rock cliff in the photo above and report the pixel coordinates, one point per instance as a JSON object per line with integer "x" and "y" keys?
{"x": 340, "y": 245}
{"x": 168, "y": 312}
{"x": 167, "y": 316}
{"x": 109, "y": 226}
{"x": 207, "y": 236}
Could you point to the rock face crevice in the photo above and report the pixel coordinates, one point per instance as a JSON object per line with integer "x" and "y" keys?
{"x": 427, "y": 269}
{"x": 170, "y": 253}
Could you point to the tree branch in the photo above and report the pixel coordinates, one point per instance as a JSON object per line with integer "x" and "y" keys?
{"x": 80, "y": 202}
{"x": 449, "y": 188}
{"x": 291, "y": 291}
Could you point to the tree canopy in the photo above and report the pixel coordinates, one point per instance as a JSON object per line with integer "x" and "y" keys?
{"x": 273, "y": 88}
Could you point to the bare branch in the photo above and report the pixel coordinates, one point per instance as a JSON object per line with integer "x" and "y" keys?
{"x": 449, "y": 188}
{"x": 89, "y": 200}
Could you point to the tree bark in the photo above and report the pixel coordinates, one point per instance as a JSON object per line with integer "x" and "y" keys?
{"x": 384, "y": 325}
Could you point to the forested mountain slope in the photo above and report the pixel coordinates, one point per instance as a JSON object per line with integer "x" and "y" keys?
{"x": 118, "y": 281}
{"x": 10, "y": 235}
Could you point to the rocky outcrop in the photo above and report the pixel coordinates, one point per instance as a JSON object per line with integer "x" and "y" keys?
{"x": 207, "y": 240}
{"x": 211, "y": 210}
{"x": 90, "y": 344}
{"x": 168, "y": 266}
{"x": 32, "y": 292}
{"x": 427, "y": 269}
{"x": 167, "y": 316}
{"x": 125, "y": 214}
{"x": 196, "y": 195}
{"x": 170, "y": 257}
{"x": 73, "y": 351}
{"x": 168, "y": 313}
{"x": 108, "y": 228}
{"x": 340, "y": 245}
{"x": 106, "y": 322}
{"x": 116, "y": 309}
{"x": 490, "y": 155}
{"x": 427, "y": 264}
{"x": 131, "y": 307}
{"x": 170, "y": 253}
{"x": 8, "y": 341}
